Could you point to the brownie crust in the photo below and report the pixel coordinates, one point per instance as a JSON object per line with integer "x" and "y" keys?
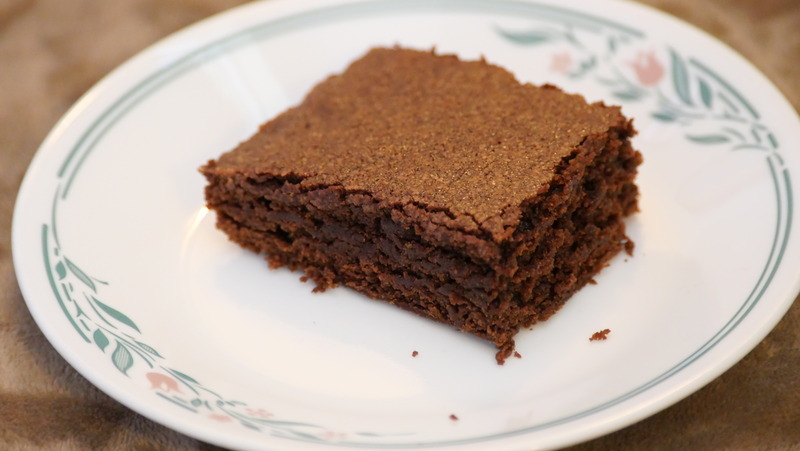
{"x": 442, "y": 186}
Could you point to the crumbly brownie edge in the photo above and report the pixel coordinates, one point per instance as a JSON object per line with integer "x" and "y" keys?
{"x": 566, "y": 236}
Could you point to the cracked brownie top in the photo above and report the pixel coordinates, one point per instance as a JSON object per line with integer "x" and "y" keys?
{"x": 413, "y": 127}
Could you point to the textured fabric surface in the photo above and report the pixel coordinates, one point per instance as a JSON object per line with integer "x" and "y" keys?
{"x": 51, "y": 51}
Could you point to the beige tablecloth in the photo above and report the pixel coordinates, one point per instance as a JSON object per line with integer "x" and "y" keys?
{"x": 51, "y": 51}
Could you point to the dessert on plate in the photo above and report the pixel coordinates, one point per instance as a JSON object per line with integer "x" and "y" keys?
{"x": 442, "y": 186}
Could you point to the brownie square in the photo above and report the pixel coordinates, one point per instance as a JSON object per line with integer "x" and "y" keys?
{"x": 442, "y": 186}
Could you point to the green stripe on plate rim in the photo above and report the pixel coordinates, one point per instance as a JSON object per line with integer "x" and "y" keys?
{"x": 67, "y": 279}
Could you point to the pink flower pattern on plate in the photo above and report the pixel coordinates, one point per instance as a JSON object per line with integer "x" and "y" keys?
{"x": 220, "y": 418}
{"x": 259, "y": 413}
{"x": 333, "y": 435}
{"x": 561, "y": 62}
{"x": 648, "y": 69}
{"x": 162, "y": 382}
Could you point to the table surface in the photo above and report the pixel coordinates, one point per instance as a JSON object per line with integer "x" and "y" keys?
{"x": 50, "y": 53}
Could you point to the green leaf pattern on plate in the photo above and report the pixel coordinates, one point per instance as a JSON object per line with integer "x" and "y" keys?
{"x": 79, "y": 274}
{"x": 101, "y": 324}
{"x": 116, "y": 315}
{"x": 684, "y": 91}
{"x": 100, "y": 339}
{"x": 122, "y": 358}
{"x": 680, "y": 78}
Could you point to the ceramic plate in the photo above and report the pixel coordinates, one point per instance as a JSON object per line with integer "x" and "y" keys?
{"x": 123, "y": 269}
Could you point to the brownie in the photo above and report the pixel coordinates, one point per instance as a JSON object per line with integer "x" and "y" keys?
{"x": 442, "y": 186}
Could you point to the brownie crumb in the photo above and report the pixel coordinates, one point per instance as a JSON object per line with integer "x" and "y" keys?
{"x": 602, "y": 335}
{"x": 517, "y": 355}
{"x": 414, "y": 354}
{"x": 592, "y": 282}
{"x": 629, "y": 245}
{"x": 453, "y": 417}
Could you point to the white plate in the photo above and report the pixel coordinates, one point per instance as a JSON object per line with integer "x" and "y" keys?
{"x": 128, "y": 278}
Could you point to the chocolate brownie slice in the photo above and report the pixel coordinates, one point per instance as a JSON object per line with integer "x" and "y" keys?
{"x": 442, "y": 186}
